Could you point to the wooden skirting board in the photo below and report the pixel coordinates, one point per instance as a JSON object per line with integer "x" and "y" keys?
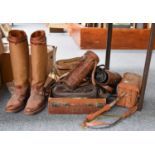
{"x": 122, "y": 38}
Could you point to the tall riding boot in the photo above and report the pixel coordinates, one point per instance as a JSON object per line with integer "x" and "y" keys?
{"x": 36, "y": 102}
{"x": 19, "y": 54}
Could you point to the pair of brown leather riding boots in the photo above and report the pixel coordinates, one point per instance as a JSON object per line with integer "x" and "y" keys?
{"x": 29, "y": 97}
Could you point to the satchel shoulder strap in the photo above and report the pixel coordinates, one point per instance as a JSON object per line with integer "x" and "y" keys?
{"x": 100, "y": 125}
{"x": 90, "y": 123}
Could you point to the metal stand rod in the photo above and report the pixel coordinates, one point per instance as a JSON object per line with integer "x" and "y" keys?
{"x": 108, "y": 46}
{"x": 147, "y": 66}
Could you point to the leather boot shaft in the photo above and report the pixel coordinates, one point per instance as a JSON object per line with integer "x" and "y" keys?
{"x": 36, "y": 101}
{"x": 38, "y": 58}
{"x": 19, "y": 54}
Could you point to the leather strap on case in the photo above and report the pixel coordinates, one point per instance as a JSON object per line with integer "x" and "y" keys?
{"x": 105, "y": 87}
{"x": 93, "y": 74}
{"x": 99, "y": 125}
{"x": 90, "y": 123}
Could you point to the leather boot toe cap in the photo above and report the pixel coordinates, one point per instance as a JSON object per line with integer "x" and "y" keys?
{"x": 13, "y": 108}
{"x": 33, "y": 110}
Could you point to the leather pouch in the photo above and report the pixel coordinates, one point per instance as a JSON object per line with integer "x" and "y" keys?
{"x": 131, "y": 85}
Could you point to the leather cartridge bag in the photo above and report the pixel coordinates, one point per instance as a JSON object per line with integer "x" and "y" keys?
{"x": 131, "y": 85}
{"x": 80, "y": 72}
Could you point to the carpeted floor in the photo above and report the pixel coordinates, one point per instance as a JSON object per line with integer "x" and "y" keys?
{"x": 121, "y": 61}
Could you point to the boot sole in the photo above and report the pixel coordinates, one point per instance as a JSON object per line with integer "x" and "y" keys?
{"x": 36, "y": 111}
{"x": 15, "y": 110}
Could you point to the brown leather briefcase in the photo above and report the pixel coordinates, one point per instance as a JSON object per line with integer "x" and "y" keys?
{"x": 81, "y": 100}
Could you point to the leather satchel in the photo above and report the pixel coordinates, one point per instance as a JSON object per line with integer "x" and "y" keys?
{"x": 130, "y": 85}
{"x": 127, "y": 96}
